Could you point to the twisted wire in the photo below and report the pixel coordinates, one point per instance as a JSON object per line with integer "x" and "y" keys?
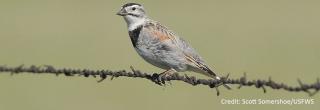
{"x": 103, "y": 74}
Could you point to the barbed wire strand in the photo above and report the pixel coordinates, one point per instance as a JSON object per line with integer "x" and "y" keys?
{"x": 103, "y": 74}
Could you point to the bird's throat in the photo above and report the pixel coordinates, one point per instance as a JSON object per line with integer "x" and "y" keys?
{"x": 133, "y": 22}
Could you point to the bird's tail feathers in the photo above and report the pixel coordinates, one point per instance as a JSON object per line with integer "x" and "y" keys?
{"x": 210, "y": 73}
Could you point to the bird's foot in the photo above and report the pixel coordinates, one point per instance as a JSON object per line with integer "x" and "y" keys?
{"x": 162, "y": 78}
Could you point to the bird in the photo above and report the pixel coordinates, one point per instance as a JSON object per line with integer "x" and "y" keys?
{"x": 161, "y": 47}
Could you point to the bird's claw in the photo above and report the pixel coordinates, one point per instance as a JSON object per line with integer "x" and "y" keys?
{"x": 160, "y": 79}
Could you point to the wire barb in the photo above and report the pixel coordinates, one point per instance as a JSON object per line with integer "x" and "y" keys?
{"x": 103, "y": 74}
{"x": 242, "y": 80}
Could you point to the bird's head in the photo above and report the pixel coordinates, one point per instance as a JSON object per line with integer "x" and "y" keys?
{"x": 132, "y": 9}
{"x": 133, "y": 13}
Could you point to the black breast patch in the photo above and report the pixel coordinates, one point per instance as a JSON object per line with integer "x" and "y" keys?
{"x": 134, "y": 35}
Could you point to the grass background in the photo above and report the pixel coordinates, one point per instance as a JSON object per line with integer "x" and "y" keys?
{"x": 278, "y": 38}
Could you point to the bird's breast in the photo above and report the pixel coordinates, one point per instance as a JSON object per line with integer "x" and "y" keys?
{"x": 134, "y": 35}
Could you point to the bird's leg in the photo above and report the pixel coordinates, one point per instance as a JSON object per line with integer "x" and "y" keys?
{"x": 165, "y": 74}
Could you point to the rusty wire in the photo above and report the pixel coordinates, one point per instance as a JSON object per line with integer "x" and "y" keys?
{"x": 103, "y": 74}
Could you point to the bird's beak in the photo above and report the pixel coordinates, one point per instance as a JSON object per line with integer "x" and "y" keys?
{"x": 122, "y": 12}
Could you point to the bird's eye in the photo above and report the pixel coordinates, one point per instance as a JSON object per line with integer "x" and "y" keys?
{"x": 134, "y": 8}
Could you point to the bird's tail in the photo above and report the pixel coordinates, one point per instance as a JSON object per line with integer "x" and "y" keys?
{"x": 210, "y": 73}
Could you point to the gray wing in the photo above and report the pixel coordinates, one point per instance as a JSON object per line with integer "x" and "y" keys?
{"x": 193, "y": 59}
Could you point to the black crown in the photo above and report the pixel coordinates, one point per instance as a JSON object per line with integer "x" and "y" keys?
{"x": 130, "y": 4}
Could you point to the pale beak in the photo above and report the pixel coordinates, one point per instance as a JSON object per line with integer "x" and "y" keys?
{"x": 122, "y": 12}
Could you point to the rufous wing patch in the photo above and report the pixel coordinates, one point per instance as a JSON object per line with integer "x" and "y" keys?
{"x": 161, "y": 36}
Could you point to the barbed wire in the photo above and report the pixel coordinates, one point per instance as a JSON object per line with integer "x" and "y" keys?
{"x": 103, "y": 74}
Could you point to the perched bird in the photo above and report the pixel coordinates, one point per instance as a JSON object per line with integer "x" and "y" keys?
{"x": 159, "y": 46}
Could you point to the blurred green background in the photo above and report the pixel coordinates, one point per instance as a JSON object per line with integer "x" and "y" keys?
{"x": 277, "y": 38}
